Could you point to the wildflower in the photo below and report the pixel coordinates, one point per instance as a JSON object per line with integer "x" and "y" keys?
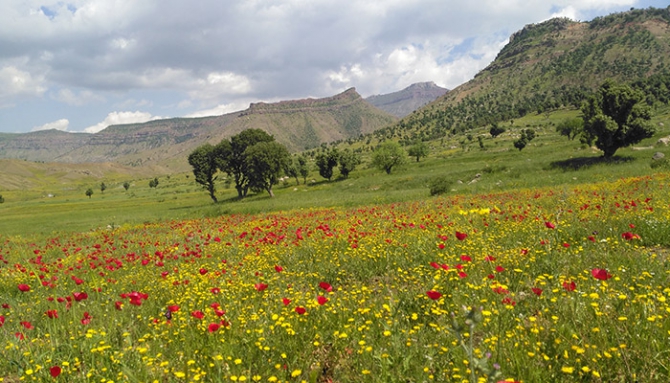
{"x": 86, "y": 319}
{"x": 321, "y": 300}
{"x": 285, "y": 301}
{"x": 213, "y": 327}
{"x": 53, "y": 314}
{"x": 27, "y": 325}
{"x": 23, "y": 287}
{"x": 173, "y": 308}
{"x": 203, "y": 271}
{"x": 260, "y": 286}
{"x": 326, "y": 286}
{"x": 601, "y": 274}
{"x": 569, "y": 285}
{"x": 296, "y": 373}
{"x": 434, "y": 295}
{"x": 549, "y": 225}
{"x": 118, "y": 305}
{"x": 461, "y": 236}
{"x": 278, "y": 268}
{"x": 198, "y": 314}
{"x": 300, "y": 310}
{"x": 55, "y": 371}
{"x": 537, "y": 291}
{"x": 80, "y": 296}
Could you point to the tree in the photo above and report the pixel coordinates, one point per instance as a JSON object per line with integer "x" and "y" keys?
{"x": 388, "y": 155}
{"x": 617, "y": 117}
{"x": 418, "y": 150}
{"x": 126, "y": 185}
{"x": 265, "y": 162}
{"x": 2, "y": 199}
{"x": 153, "y": 183}
{"x": 326, "y": 161}
{"x": 291, "y": 170}
{"x": 496, "y": 130}
{"x": 204, "y": 162}
{"x": 89, "y": 192}
{"x": 232, "y": 159}
{"x": 527, "y": 136}
{"x": 103, "y": 187}
{"x": 348, "y": 161}
{"x": 570, "y": 128}
{"x": 303, "y": 168}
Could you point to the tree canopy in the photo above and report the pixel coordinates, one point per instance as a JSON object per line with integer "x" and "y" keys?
{"x": 617, "y": 117}
{"x": 388, "y": 155}
{"x": 264, "y": 164}
{"x": 204, "y": 162}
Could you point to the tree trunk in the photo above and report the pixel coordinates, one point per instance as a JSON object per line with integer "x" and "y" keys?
{"x": 270, "y": 192}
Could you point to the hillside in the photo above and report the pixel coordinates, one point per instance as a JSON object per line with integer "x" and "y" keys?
{"x": 298, "y": 124}
{"x": 552, "y": 65}
{"x": 404, "y": 102}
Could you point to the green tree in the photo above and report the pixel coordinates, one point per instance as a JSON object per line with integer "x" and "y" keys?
{"x": 2, "y": 199}
{"x": 496, "y": 130}
{"x": 265, "y": 162}
{"x": 527, "y": 136}
{"x": 153, "y": 183}
{"x": 126, "y": 185}
{"x": 570, "y": 128}
{"x": 89, "y": 192}
{"x": 418, "y": 150}
{"x": 326, "y": 161}
{"x": 388, "y": 155}
{"x": 103, "y": 187}
{"x": 291, "y": 169}
{"x": 204, "y": 162}
{"x": 303, "y": 168}
{"x": 232, "y": 159}
{"x": 348, "y": 161}
{"x": 617, "y": 117}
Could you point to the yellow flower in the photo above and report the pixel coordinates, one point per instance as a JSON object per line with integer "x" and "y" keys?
{"x": 567, "y": 370}
{"x": 296, "y": 373}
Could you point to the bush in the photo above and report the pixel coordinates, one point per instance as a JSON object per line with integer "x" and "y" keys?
{"x": 439, "y": 185}
{"x": 2, "y": 199}
{"x": 663, "y": 163}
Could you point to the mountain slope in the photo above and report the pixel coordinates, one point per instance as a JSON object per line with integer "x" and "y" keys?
{"x": 404, "y": 102}
{"x": 551, "y": 65}
{"x": 298, "y": 124}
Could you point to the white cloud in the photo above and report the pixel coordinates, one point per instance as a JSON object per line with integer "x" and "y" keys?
{"x": 15, "y": 82}
{"x": 116, "y": 118}
{"x": 220, "y": 109}
{"x": 76, "y": 99}
{"x": 61, "y": 124}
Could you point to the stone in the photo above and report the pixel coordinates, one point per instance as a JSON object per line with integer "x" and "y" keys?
{"x": 657, "y": 156}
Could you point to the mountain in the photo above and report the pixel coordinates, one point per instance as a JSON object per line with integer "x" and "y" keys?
{"x": 298, "y": 124}
{"x": 552, "y": 65}
{"x": 404, "y": 102}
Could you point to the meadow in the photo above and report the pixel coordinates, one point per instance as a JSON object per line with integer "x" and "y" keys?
{"x": 552, "y": 266}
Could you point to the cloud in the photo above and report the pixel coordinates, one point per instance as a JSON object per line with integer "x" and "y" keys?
{"x": 15, "y": 82}
{"x": 220, "y": 109}
{"x": 77, "y": 99}
{"x": 61, "y": 124}
{"x": 116, "y": 118}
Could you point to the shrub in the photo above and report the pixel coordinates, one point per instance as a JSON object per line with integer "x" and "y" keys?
{"x": 439, "y": 185}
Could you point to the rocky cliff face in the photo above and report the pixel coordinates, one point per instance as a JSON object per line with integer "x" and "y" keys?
{"x": 404, "y": 102}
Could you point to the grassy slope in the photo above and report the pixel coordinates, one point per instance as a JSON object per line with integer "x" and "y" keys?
{"x": 546, "y": 161}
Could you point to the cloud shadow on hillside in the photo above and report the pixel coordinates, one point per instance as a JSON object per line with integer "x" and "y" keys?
{"x": 580, "y": 163}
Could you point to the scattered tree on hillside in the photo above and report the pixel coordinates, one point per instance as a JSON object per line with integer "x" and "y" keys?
{"x": 291, "y": 170}
{"x": 418, "y": 150}
{"x": 570, "y": 128}
{"x": 388, "y": 155}
{"x": 527, "y": 136}
{"x": 496, "y": 130}
{"x": 89, "y": 192}
{"x": 326, "y": 161}
{"x": 204, "y": 162}
{"x": 264, "y": 163}
{"x": 126, "y": 185}
{"x": 348, "y": 161}
{"x": 617, "y": 117}
{"x": 2, "y": 199}
{"x": 232, "y": 159}
{"x": 303, "y": 168}
{"x": 153, "y": 183}
{"x": 103, "y": 187}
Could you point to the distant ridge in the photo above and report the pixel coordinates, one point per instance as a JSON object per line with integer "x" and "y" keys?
{"x": 404, "y": 102}
{"x": 298, "y": 124}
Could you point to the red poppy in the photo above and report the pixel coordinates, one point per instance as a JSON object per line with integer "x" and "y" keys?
{"x": 569, "y": 285}
{"x": 173, "y": 308}
{"x": 300, "y": 310}
{"x": 508, "y": 301}
{"x": 537, "y": 291}
{"x": 601, "y": 274}
{"x": 285, "y": 301}
{"x": 441, "y": 246}
{"x": 260, "y": 286}
{"x": 77, "y": 281}
{"x": 27, "y": 325}
{"x": 23, "y": 287}
{"x": 499, "y": 269}
{"x": 489, "y": 258}
{"x": 19, "y": 336}
{"x": 118, "y": 305}
{"x": 202, "y": 271}
{"x": 80, "y": 296}
{"x": 461, "y": 236}
{"x": 466, "y": 258}
{"x": 628, "y": 236}
{"x": 549, "y": 225}
{"x": 592, "y": 238}
{"x": 213, "y": 327}
{"x": 53, "y": 314}
{"x": 86, "y": 319}
{"x": 198, "y": 314}
{"x": 322, "y": 300}
{"x": 278, "y": 268}
{"x": 434, "y": 295}
{"x": 2, "y": 320}
{"x": 462, "y": 274}
{"x": 435, "y": 265}
{"x": 215, "y": 290}
{"x": 326, "y": 286}
{"x": 55, "y": 371}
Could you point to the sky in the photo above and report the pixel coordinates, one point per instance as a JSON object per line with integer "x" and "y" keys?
{"x": 82, "y": 65}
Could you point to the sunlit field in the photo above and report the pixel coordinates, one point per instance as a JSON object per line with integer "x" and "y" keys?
{"x": 559, "y": 284}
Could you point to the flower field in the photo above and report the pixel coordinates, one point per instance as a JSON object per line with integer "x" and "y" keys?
{"x": 540, "y": 285}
